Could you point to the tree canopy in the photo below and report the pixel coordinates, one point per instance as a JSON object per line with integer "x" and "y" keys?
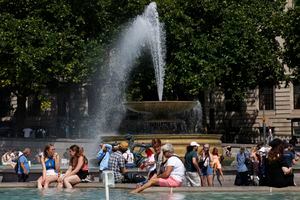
{"x": 210, "y": 44}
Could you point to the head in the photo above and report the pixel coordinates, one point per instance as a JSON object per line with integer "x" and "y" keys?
{"x": 277, "y": 148}
{"x": 189, "y": 148}
{"x": 156, "y": 144}
{"x": 167, "y": 150}
{"x": 49, "y": 150}
{"x": 242, "y": 149}
{"x": 195, "y": 145}
{"x": 123, "y": 146}
{"x": 27, "y": 151}
{"x": 215, "y": 151}
{"x": 75, "y": 151}
{"x": 206, "y": 148}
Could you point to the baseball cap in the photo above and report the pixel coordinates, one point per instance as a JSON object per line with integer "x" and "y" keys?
{"x": 194, "y": 144}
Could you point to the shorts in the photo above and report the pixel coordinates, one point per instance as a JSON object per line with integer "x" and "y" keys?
{"x": 192, "y": 179}
{"x": 206, "y": 171}
{"x": 82, "y": 174}
{"x": 51, "y": 172}
{"x": 169, "y": 182}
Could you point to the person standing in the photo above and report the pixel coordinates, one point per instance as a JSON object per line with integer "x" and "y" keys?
{"x": 206, "y": 167}
{"x": 242, "y": 170}
{"x": 217, "y": 166}
{"x": 103, "y": 157}
{"x": 191, "y": 165}
{"x": 270, "y": 135}
{"x": 23, "y": 165}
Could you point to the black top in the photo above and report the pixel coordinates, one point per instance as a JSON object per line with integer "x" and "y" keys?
{"x": 276, "y": 177}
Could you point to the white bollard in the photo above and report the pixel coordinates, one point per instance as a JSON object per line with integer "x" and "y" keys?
{"x": 108, "y": 181}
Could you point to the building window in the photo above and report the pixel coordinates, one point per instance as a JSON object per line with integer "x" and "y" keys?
{"x": 297, "y": 96}
{"x": 266, "y": 97}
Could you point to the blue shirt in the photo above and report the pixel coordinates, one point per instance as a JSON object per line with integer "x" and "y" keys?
{"x": 104, "y": 163}
{"x": 23, "y": 159}
{"x": 288, "y": 157}
{"x": 241, "y": 158}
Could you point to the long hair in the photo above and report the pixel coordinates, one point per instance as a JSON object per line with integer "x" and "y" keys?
{"x": 78, "y": 153}
{"x": 156, "y": 142}
{"x": 215, "y": 151}
{"x": 46, "y": 149}
{"x": 276, "y": 152}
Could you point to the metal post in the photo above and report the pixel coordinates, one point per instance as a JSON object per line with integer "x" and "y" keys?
{"x": 106, "y": 187}
{"x": 264, "y": 123}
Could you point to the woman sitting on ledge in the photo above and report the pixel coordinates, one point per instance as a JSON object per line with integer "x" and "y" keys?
{"x": 173, "y": 174}
{"x": 50, "y": 165}
{"x": 78, "y": 168}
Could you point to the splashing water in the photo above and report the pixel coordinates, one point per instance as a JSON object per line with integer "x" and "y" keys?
{"x": 144, "y": 31}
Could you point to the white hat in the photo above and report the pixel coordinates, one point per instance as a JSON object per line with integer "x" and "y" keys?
{"x": 194, "y": 144}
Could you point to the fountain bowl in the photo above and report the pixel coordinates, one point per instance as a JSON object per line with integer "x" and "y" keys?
{"x": 160, "y": 107}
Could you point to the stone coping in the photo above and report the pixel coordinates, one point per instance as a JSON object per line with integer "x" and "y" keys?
{"x": 165, "y": 189}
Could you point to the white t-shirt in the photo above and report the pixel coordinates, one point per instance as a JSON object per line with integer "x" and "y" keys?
{"x": 27, "y": 132}
{"x": 178, "y": 168}
{"x": 128, "y": 156}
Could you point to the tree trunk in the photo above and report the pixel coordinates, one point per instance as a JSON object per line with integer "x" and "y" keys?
{"x": 21, "y": 111}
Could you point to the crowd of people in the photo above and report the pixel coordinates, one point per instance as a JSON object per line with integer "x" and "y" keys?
{"x": 270, "y": 165}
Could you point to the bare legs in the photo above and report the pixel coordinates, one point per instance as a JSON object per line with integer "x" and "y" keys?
{"x": 153, "y": 181}
{"x": 45, "y": 184}
{"x": 207, "y": 180}
{"x": 71, "y": 180}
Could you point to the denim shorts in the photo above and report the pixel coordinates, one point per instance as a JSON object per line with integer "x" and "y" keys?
{"x": 206, "y": 171}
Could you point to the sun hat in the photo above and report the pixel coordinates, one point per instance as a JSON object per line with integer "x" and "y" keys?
{"x": 194, "y": 144}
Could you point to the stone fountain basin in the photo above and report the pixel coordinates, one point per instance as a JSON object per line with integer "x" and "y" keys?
{"x": 160, "y": 107}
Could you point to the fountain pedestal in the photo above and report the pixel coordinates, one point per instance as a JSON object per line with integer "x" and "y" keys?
{"x": 160, "y": 119}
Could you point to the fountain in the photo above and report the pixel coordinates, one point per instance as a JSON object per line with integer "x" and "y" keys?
{"x": 146, "y": 32}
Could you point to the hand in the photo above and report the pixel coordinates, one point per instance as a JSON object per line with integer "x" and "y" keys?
{"x": 60, "y": 180}
{"x": 43, "y": 179}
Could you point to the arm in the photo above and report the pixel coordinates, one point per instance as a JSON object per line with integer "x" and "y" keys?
{"x": 43, "y": 167}
{"x": 78, "y": 166}
{"x": 195, "y": 163}
{"x": 24, "y": 169}
{"x": 123, "y": 170}
{"x": 287, "y": 170}
{"x": 166, "y": 173}
{"x": 108, "y": 148}
{"x": 57, "y": 162}
{"x": 100, "y": 154}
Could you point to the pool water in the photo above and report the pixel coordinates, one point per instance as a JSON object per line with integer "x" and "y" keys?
{"x": 118, "y": 194}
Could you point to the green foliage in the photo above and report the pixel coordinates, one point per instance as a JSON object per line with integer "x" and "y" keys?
{"x": 227, "y": 44}
{"x": 210, "y": 44}
{"x": 292, "y": 42}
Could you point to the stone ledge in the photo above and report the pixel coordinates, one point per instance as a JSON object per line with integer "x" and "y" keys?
{"x": 166, "y": 189}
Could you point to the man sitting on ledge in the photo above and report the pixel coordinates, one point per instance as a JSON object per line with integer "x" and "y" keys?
{"x": 173, "y": 174}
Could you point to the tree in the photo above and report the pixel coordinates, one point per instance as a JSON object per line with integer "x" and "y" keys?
{"x": 292, "y": 42}
{"x": 221, "y": 44}
{"x": 45, "y": 44}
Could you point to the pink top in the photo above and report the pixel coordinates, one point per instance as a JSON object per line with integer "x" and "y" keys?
{"x": 216, "y": 162}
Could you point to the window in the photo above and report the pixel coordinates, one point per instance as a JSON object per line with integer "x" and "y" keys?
{"x": 297, "y": 96}
{"x": 266, "y": 97}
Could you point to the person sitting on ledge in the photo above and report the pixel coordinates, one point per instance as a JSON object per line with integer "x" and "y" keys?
{"x": 173, "y": 174}
{"x": 50, "y": 165}
{"x": 8, "y": 159}
{"x": 78, "y": 168}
